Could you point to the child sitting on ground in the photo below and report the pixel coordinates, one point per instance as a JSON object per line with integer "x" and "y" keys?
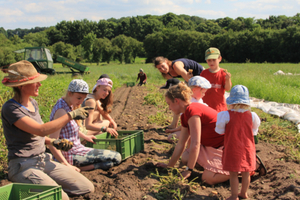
{"x": 239, "y": 126}
{"x": 199, "y": 85}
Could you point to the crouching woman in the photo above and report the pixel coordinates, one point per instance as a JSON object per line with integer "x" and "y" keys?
{"x": 25, "y": 133}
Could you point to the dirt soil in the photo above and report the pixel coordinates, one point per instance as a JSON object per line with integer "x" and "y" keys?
{"x": 131, "y": 180}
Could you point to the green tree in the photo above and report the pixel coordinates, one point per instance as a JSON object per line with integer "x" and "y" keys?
{"x": 122, "y": 42}
{"x": 37, "y": 39}
{"x": 87, "y": 44}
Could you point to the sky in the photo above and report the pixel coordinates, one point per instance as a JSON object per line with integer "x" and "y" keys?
{"x": 45, "y": 13}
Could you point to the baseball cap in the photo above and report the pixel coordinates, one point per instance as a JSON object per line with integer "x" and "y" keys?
{"x": 239, "y": 94}
{"x": 78, "y": 85}
{"x": 199, "y": 81}
{"x": 170, "y": 82}
{"x": 212, "y": 53}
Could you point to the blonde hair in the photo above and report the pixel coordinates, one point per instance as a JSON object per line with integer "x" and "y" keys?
{"x": 179, "y": 91}
{"x": 239, "y": 106}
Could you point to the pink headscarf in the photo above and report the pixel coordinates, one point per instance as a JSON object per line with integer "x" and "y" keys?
{"x": 103, "y": 81}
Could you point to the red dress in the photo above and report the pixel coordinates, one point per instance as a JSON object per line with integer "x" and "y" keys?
{"x": 214, "y": 97}
{"x": 239, "y": 154}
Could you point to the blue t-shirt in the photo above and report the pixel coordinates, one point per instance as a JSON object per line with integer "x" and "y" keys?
{"x": 190, "y": 64}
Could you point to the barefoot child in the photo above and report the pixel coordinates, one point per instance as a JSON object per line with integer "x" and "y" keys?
{"x": 239, "y": 125}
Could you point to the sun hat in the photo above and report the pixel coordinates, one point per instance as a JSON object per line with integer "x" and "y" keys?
{"x": 103, "y": 76}
{"x": 199, "y": 81}
{"x": 239, "y": 94}
{"x": 22, "y": 73}
{"x": 212, "y": 53}
{"x": 170, "y": 82}
{"x": 78, "y": 85}
{"x": 103, "y": 81}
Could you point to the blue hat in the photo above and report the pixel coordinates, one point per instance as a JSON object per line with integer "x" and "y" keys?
{"x": 200, "y": 82}
{"x": 239, "y": 94}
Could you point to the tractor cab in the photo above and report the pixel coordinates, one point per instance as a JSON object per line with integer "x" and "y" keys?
{"x": 40, "y": 57}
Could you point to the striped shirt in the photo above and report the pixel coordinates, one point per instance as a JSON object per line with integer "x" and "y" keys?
{"x": 69, "y": 132}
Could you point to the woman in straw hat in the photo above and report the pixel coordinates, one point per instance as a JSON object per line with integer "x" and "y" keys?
{"x": 25, "y": 133}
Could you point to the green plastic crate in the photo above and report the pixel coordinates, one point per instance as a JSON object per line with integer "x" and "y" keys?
{"x": 22, "y": 191}
{"x": 127, "y": 143}
{"x": 130, "y": 84}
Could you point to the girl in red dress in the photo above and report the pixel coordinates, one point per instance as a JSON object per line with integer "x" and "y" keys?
{"x": 239, "y": 126}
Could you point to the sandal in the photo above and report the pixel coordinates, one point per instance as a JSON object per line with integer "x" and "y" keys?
{"x": 262, "y": 170}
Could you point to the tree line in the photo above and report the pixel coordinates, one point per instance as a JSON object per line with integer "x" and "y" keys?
{"x": 275, "y": 39}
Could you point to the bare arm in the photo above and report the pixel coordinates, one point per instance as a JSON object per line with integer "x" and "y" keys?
{"x": 195, "y": 132}
{"x": 228, "y": 83}
{"x": 183, "y": 137}
{"x": 29, "y": 125}
{"x": 179, "y": 69}
{"x": 89, "y": 121}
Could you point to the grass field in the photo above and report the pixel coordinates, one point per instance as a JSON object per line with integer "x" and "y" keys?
{"x": 258, "y": 78}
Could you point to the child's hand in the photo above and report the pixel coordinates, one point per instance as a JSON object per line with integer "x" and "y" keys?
{"x": 112, "y": 131}
{"x": 228, "y": 75}
{"x": 90, "y": 138}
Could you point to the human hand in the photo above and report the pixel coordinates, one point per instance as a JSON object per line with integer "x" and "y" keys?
{"x": 113, "y": 124}
{"x": 73, "y": 167}
{"x": 186, "y": 174}
{"x": 62, "y": 144}
{"x": 228, "y": 75}
{"x": 172, "y": 130}
{"x": 112, "y": 132}
{"x": 90, "y": 138}
{"x": 163, "y": 165}
{"x": 80, "y": 113}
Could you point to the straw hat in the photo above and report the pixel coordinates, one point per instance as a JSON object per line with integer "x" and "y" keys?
{"x": 22, "y": 73}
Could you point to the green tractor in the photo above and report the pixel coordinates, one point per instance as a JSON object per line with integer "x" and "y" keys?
{"x": 42, "y": 60}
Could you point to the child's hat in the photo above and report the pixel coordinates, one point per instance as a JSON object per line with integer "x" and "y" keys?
{"x": 212, "y": 53}
{"x": 78, "y": 85}
{"x": 199, "y": 81}
{"x": 239, "y": 94}
{"x": 103, "y": 81}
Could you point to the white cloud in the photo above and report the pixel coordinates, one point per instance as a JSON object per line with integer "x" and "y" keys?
{"x": 31, "y": 13}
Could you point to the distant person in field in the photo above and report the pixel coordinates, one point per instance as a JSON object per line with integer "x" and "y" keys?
{"x": 198, "y": 124}
{"x": 239, "y": 125}
{"x": 219, "y": 79}
{"x": 142, "y": 76}
{"x": 199, "y": 85}
{"x": 26, "y": 135}
{"x": 182, "y": 67}
{"x": 80, "y": 157}
{"x": 100, "y": 92}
